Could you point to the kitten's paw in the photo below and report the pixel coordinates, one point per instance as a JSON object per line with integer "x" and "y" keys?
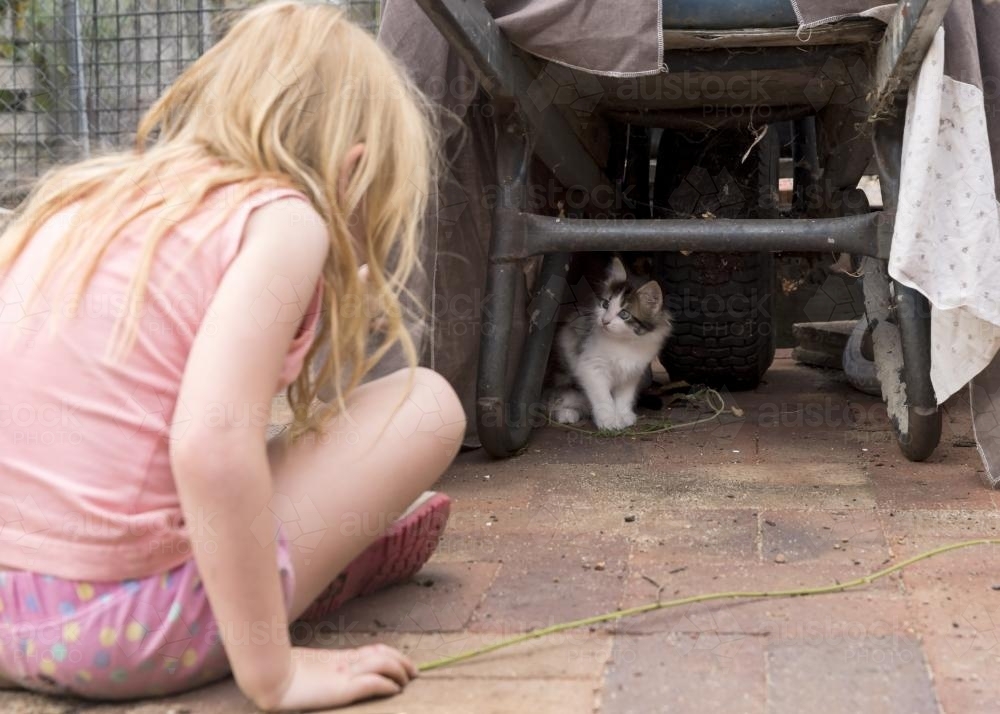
{"x": 608, "y": 420}
{"x": 566, "y": 416}
{"x": 626, "y": 419}
{"x": 614, "y": 421}
{"x": 605, "y": 419}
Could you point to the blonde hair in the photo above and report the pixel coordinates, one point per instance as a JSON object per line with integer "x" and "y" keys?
{"x": 279, "y": 101}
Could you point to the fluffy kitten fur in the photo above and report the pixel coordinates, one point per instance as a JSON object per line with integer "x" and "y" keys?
{"x": 604, "y": 353}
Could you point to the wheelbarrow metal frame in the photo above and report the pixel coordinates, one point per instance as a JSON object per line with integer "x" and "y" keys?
{"x": 505, "y": 414}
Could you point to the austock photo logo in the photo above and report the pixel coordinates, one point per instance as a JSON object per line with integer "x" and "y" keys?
{"x": 840, "y": 83}
{"x": 169, "y": 186}
{"x": 23, "y": 524}
{"x": 426, "y": 411}
{"x": 148, "y": 411}
{"x": 281, "y": 302}
{"x": 704, "y": 631}
{"x": 157, "y": 631}
{"x": 579, "y": 92}
{"x": 706, "y": 195}
{"x": 977, "y": 629}
{"x": 432, "y": 627}
{"x": 984, "y": 425}
{"x": 838, "y": 298}
{"x": 41, "y": 424}
{"x": 452, "y": 201}
{"x": 295, "y": 83}
{"x": 23, "y": 305}
{"x": 299, "y": 523}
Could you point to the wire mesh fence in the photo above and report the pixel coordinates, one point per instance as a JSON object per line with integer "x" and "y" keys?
{"x": 76, "y": 75}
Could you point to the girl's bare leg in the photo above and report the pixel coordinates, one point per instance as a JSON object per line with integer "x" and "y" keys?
{"x": 371, "y": 462}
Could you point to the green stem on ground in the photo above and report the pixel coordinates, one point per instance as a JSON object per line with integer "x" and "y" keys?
{"x": 712, "y": 398}
{"x": 662, "y": 605}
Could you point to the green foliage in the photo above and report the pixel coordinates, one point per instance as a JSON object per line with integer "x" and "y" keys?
{"x": 32, "y": 45}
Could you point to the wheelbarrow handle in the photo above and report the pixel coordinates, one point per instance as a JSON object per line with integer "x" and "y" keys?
{"x": 475, "y": 36}
{"x": 907, "y": 38}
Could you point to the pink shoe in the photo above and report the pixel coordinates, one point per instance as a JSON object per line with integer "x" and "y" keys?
{"x": 396, "y": 556}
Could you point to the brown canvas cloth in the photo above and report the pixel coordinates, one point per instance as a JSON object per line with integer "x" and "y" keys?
{"x": 598, "y": 36}
{"x": 812, "y": 13}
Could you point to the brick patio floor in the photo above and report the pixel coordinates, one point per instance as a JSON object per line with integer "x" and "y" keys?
{"x": 806, "y": 489}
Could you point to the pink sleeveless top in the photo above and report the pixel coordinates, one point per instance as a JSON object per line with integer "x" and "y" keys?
{"x": 86, "y": 490}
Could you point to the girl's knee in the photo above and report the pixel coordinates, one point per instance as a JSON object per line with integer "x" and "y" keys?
{"x": 436, "y": 397}
{"x": 427, "y": 412}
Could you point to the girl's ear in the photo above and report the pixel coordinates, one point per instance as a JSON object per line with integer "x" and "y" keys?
{"x": 347, "y": 169}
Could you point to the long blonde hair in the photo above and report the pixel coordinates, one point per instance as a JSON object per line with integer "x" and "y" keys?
{"x": 279, "y": 101}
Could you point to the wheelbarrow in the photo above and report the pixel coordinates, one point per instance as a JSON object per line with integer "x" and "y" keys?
{"x": 834, "y": 143}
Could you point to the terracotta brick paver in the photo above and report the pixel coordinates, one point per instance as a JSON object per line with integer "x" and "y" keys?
{"x": 807, "y": 488}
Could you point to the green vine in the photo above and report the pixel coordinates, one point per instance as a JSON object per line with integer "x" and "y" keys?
{"x": 705, "y": 597}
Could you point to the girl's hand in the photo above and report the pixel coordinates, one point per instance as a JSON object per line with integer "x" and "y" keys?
{"x": 376, "y": 320}
{"x": 323, "y": 679}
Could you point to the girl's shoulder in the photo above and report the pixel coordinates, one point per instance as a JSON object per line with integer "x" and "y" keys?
{"x": 289, "y": 214}
{"x": 284, "y": 214}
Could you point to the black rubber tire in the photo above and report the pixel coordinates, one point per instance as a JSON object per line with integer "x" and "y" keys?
{"x": 722, "y": 303}
{"x": 859, "y": 370}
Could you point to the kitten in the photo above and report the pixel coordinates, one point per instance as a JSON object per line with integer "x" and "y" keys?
{"x": 604, "y": 353}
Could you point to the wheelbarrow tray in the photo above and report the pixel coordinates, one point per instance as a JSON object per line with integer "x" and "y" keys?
{"x": 718, "y": 79}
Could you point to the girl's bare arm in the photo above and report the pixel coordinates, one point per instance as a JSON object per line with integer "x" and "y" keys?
{"x": 219, "y": 458}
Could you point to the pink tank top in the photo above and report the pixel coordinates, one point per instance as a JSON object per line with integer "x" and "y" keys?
{"x": 86, "y": 490}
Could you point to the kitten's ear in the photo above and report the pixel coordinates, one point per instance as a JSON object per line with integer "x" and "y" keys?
{"x": 616, "y": 271}
{"x": 650, "y": 297}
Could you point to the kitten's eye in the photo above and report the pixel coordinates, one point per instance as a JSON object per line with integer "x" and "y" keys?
{"x": 605, "y": 303}
{"x": 624, "y": 314}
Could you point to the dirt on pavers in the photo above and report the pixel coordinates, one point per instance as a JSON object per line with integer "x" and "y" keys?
{"x": 806, "y": 489}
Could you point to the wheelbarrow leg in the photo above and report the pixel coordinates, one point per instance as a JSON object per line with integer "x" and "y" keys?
{"x": 506, "y": 416}
{"x": 901, "y": 332}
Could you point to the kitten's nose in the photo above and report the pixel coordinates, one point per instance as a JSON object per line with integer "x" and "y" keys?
{"x": 605, "y": 321}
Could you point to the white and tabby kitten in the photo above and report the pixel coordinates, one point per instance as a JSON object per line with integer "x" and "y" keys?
{"x": 604, "y": 353}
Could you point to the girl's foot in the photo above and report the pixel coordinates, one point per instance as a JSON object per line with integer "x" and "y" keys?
{"x": 396, "y": 556}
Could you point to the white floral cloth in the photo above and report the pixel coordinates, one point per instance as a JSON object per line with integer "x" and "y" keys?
{"x": 947, "y": 237}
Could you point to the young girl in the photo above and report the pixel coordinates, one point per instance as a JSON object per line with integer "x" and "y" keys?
{"x": 153, "y": 302}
